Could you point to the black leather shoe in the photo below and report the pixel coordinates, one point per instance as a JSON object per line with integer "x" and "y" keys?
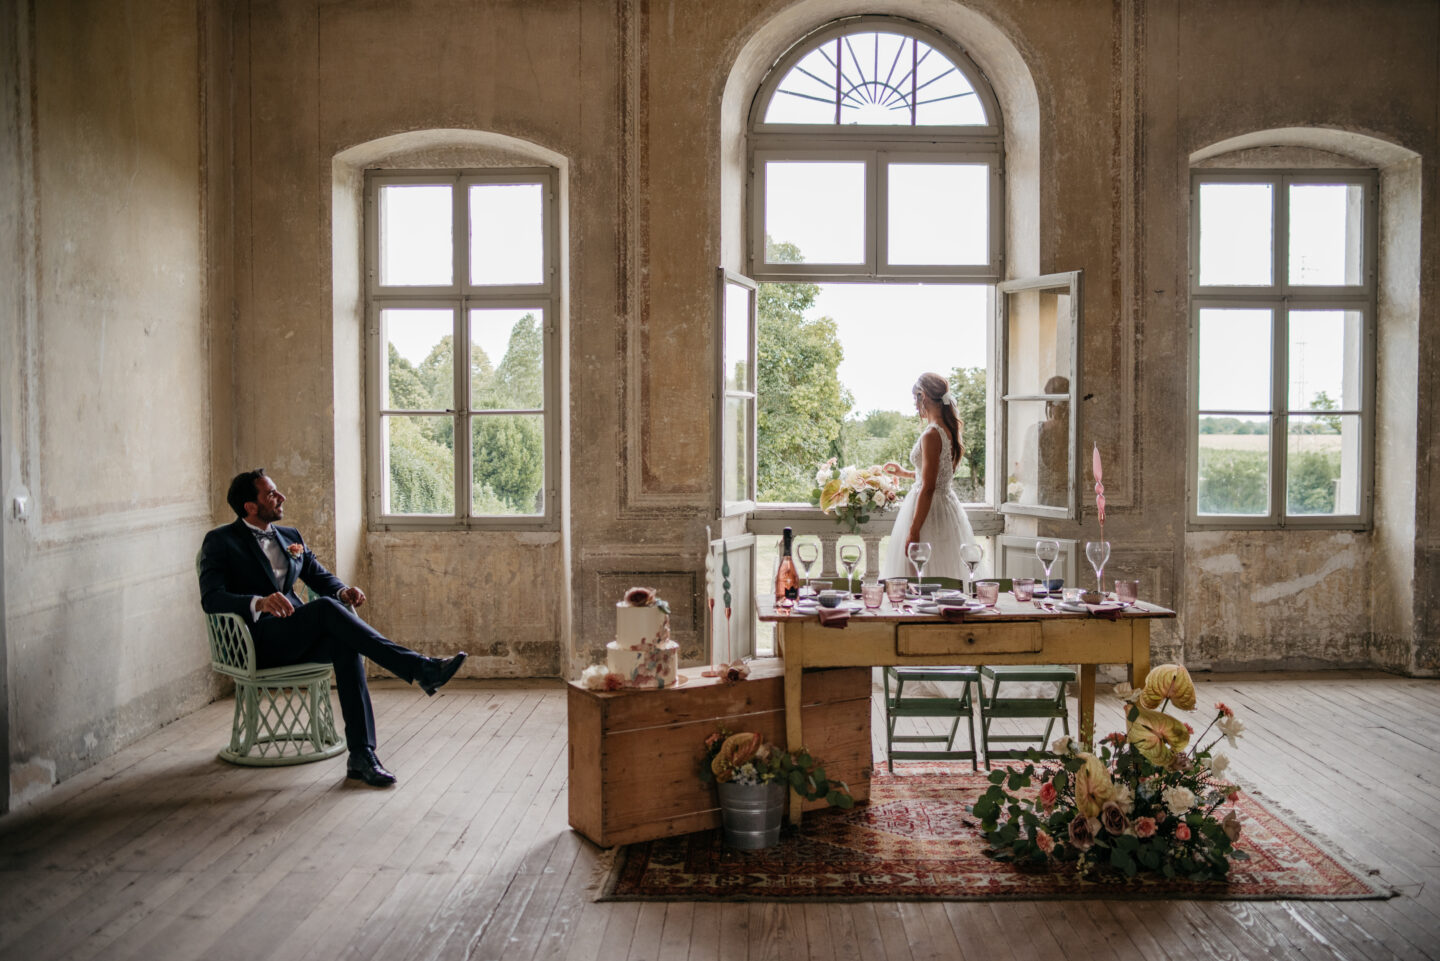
{"x": 365, "y": 766}
{"x": 436, "y": 671}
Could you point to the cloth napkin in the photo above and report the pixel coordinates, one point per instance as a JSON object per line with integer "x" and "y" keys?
{"x": 1109, "y": 610}
{"x": 834, "y": 617}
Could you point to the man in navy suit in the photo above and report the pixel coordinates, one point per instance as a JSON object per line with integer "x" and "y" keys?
{"x": 250, "y": 568}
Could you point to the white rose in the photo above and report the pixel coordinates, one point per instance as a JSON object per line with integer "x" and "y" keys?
{"x": 1124, "y": 798}
{"x": 1178, "y": 799}
{"x": 1061, "y": 745}
{"x": 1231, "y": 727}
{"x": 1218, "y": 764}
{"x": 593, "y": 677}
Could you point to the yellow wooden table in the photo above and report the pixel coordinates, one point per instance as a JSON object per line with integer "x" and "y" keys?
{"x": 1017, "y": 633}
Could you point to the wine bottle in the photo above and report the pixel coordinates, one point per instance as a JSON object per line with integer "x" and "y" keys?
{"x": 787, "y": 582}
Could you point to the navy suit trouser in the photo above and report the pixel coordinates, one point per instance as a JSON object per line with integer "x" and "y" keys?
{"x": 327, "y": 630}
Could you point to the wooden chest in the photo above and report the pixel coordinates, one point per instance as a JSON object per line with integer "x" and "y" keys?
{"x": 633, "y": 754}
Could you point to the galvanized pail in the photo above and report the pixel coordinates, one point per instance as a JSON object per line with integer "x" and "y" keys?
{"x": 751, "y": 814}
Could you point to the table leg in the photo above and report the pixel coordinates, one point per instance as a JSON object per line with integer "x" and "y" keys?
{"x": 1087, "y": 705}
{"x": 1139, "y": 652}
{"x": 790, "y": 648}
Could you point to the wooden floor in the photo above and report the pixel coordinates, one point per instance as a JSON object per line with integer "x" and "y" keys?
{"x": 163, "y": 852}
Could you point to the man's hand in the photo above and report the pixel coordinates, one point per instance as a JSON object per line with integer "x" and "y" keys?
{"x": 277, "y": 604}
{"x": 352, "y": 596}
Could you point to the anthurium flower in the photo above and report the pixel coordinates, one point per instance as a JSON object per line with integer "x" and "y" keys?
{"x": 1172, "y": 682}
{"x": 1157, "y": 736}
{"x": 737, "y": 750}
{"x": 832, "y": 494}
{"x": 1093, "y": 786}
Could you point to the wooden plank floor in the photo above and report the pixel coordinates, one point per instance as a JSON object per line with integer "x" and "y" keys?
{"x": 163, "y": 852}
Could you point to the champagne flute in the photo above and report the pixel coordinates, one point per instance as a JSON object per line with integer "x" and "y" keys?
{"x": 849, "y": 557}
{"x": 971, "y": 555}
{"x": 807, "y": 553}
{"x": 1046, "y": 552}
{"x": 919, "y": 554}
{"x": 1097, "y": 553}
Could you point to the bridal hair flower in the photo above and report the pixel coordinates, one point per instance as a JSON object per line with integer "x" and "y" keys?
{"x": 949, "y": 400}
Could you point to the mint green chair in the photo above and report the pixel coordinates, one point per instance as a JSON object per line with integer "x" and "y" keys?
{"x": 1048, "y": 708}
{"x": 282, "y": 714}
{"x": 898, "y": 706}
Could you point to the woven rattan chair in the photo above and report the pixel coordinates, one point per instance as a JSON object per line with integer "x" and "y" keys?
{"x": 282, "y": 714}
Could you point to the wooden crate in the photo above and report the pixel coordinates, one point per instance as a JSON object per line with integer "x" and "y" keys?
{"x": 633, "y": 754}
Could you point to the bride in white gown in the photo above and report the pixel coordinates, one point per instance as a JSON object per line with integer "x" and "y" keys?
{"x": 931, "y": 511}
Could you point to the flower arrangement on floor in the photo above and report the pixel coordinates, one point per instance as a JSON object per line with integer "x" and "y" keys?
{"x": 852, "y": 493}
{"x": 747, "y": 758}
{"x": 1142, "y": 804}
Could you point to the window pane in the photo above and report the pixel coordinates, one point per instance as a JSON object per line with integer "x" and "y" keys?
{"x": 419, "y": 464}
{"x": 415, "y": 235}
{"x": 1236, "y": 235}
{"x": 835, "y": 367}
{"x": 1234, "y": 465}
{"x": 1327, "y": 234}
{"x": 508, "y": 461}
{"x": 1322, "y": 464}
{"x": 938, "y": 213}
{"x": 507, "y": 234}
{"x": 1039, "y": 335}
{"x": 878, "y": 79}
{"x": 418, "y": 370}
{"x": 1325, "y": 351}
{"x": 507, "y": 358}
{"x": 737, "y": 452}
{"x": 737, "y": 375}
{"x": 814, "y": 212}
{"x": 1040, "y": 472}
{"x": 1235, "y": 360}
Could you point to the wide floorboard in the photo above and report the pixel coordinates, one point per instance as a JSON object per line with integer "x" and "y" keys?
{"x": 164, "y": 853}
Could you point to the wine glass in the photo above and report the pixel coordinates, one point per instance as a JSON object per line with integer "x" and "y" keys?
{"x": 1046, "y": 552}
{"x": 807, "y": 553}
{"x": 971, "y": 555}
{"x": 1097, "y": 553}
{"x": 919, "y": 554}
{"x": 849, "y": 557}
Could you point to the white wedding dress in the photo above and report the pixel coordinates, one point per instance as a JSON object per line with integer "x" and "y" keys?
{"x": 946, "y": 527}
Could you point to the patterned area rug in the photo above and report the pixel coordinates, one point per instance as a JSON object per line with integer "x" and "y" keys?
{"x": 917, "y": 841}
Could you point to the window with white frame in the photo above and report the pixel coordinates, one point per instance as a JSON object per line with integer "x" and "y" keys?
{"x": 875, "y": 233}
{"x": 461, "y": 263}
{"x": 1282, "y": 346}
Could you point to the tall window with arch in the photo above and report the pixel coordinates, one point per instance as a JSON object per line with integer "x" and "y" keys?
{"x": 875, "y": 234}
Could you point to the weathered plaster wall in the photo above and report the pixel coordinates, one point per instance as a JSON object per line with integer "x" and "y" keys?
{"x": 1365, "y": 78}
{"x": 105, "y": 375}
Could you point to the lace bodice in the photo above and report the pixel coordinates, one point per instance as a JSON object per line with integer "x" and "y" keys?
{"x": 946, "y": 474}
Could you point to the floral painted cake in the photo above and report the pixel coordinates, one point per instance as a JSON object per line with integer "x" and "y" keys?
{"x": 642, "y": 653}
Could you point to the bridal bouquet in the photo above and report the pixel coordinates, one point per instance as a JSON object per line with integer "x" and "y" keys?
{"x": 852, "y": 493}
{"x": 1141, "y": 803}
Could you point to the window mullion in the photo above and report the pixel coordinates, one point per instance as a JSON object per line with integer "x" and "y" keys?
{"x": 1279, "y": 409}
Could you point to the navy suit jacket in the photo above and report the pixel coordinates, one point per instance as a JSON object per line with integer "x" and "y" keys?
{"x": 234, "y": 570}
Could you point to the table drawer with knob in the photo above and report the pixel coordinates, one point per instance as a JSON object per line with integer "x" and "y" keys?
{"x": 1011, "y": 638}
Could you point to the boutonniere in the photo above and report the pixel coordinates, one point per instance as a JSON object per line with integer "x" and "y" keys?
{"x": 296, "y": 550}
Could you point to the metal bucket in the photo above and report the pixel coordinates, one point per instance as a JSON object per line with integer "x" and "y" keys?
{"x": 751, "y": 814}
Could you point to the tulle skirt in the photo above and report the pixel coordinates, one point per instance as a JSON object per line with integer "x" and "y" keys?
{"x": 946, "y": 528}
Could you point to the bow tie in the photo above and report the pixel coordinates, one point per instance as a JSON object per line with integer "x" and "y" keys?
{"x": 264, "y": 535}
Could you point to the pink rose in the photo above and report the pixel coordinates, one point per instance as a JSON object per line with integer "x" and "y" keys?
{"x": 1044, "y": 842}
{"x": 1182, "y": 832}
{"x": 1048, "y": 794}
{"x": 1144, "y": 827}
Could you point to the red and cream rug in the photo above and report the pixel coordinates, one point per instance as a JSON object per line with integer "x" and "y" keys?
{"x": 917, "y": 841}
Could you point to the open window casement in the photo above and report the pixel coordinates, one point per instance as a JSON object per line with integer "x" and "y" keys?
{"x": 1036, "y": 388}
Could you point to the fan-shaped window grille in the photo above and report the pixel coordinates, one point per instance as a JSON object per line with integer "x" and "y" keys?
{"x": 876, "y": 78}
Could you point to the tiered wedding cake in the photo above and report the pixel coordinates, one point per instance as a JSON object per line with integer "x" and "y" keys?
{"x": 642, "y": 652}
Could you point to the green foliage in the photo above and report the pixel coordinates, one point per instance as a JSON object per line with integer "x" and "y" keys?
{"x": 1233, "y": 481}
{"x": 798, "y": 769}
{"x": 508, "y": 461}
{"x": 1310, "y": 482}
{"x": 969, "y": 386}
{"x": 802, "y": 404}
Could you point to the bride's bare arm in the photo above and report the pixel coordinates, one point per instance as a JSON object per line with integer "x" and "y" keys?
{"x": 926, "y": 476}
